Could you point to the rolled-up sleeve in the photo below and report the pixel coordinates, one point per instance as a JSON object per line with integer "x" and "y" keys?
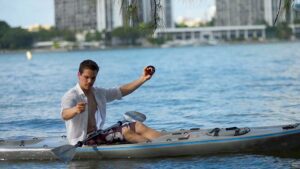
{"x": 113, "y": 94}
{"x": 68, "y": 101}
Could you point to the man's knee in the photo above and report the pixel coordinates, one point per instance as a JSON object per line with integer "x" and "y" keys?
{"x": 140, "y": 127}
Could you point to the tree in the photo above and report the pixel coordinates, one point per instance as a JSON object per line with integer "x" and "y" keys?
{"x": 281, "y": 31}
{"x": 180, "y": 25}
{"x": 93, "y": 36}
{"x": 286, "y": 6}
{"x": 68, "y": 35}
{"x": 128, "y": 35}
{"x": 45, "y": 34}
{"x": 16, "y": 38}
{"x": 145, "y": 29}
{"x": 53, "y": 33}
{"x": 131, "y": 13}
{"x": 4, "y": 27}
{"x": 211, "y": 22}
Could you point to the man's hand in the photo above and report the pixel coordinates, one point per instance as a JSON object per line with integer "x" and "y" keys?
{"x": 80, "y": 107}
{"x": 68, "y": 114}
{"x": 130, "y": 87}
{"x": 148, "y": 72}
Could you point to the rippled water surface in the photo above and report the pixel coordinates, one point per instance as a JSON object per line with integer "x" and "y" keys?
{"x": 209, "y": 86}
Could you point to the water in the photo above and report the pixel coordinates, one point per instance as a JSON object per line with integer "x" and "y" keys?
{"x": 210, "y": 86}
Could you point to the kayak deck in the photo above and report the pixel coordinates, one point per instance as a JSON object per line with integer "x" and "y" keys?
{"x": 177, "y": 143}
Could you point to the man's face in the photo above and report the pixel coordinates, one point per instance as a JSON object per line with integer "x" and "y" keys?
{"x": 87, "y": 79}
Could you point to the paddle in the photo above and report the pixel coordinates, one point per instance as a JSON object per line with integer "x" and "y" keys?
{"x": 67, "y": 152}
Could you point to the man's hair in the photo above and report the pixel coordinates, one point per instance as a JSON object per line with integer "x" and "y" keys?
{"x": 88, "y": 64}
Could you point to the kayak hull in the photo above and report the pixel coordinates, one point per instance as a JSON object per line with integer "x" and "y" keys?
{"x": 260, "y": 140}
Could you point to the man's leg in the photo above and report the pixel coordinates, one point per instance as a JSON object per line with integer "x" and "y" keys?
{"x": 140, "y": 133}
{"x": 146, "y": 131}
{"x": 132, "y": 136}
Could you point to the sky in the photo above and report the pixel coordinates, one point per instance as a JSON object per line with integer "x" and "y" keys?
{"x": 25, "y": 13}
{"x": 203, "y": 9}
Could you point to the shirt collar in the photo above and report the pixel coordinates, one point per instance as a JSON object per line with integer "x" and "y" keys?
{"x": 78, "y": 88}
{"x": 80, "y": 91}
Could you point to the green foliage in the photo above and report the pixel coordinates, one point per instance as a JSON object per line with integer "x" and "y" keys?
{"x": 129, "y": 35}
{"x": 131, "y": 13}
{"x": 56, "y": 45}
{"x": 53, "y": 33}
{"x": 96, "y": 36}
{"x": 16, "y": 38}
{"x": 68, "y": 35}
{"x": 287, "y": 5}
{"x": 281, "y": 31}
{"x": 4, "y": 27}
{"x": 211, "y": 22}
{"x": 297, "y": 21}
{"x": 146, "y": 29}
{"x": 156, "y": 41}
{"x": 180, "y": 25}
{"x": 270, "y": 32}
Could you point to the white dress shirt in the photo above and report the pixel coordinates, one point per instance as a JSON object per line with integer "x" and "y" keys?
{"x": 77, "y": 126}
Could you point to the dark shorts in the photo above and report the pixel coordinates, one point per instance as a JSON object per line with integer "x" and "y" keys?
{"x": 112, "y": 136}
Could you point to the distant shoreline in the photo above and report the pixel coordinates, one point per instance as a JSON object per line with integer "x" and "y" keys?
{"x": 140, "y": 47}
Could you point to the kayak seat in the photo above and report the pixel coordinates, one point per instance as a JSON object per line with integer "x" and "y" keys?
{"x": 232, "y": 131}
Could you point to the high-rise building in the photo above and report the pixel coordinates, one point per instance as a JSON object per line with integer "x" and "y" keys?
{"x": 166, "y": 14}
{"x": 75, "y": 14}
{"x": 106, "y": 15}
{"x": 146, "y": 12}
{"x": 271, "y": 11}
{"x": 250, "y": 12}
{"x": 109, "y": 14}
{"x": 239, "y": 12}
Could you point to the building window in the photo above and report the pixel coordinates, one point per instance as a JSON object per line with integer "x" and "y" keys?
{"x": 178, "y": 36}
{"x": 206, "y": 37}
{"x": 241, "y": 34}
{"x": 250, "y": 34}
{"x": 259, "y": 33}
{"x": 197, "y": 35}
{"x": 187, "y": 35}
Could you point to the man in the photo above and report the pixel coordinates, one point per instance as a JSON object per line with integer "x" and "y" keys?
{"x": 84, "y": 109}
